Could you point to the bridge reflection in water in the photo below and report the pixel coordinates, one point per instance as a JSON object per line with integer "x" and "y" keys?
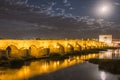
{"x": 41, "y": 67}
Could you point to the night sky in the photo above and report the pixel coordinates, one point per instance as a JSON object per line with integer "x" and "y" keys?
{"x": 59, "y": 19}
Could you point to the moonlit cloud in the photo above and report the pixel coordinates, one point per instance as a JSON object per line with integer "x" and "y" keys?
{"x": 117, "y": 4}
{"x": 71, "y": 8}
{"x": 60, "y": 11}
{"x": 65, "y": 1}
{"x": 100, "y": 21}
{"x": 90, "y": 21}
{"x": 17, "y": 2}
{"x": 47, "y": 27}
{"x": 67, "y": 4}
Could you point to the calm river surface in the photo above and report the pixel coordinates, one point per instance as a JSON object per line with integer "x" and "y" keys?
{"x": 74, "y": 68}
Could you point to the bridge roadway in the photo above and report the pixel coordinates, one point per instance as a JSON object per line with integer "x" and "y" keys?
{"x": 37, "y": 48}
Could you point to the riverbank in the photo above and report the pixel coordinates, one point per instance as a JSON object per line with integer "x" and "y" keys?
{"x": 109, "y": 65}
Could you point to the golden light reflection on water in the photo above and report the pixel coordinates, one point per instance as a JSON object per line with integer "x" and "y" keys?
{"x": 103, "y": 75}
{"x": 41, "y": 67}
{"x": 110, "y": 54}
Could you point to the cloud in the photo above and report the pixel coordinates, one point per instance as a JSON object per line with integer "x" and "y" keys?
{"x": 46, "y": 9}
{"x": 51, "y": 27}
{"x": 117, "y": 4}
{"x": 71, "y": 8}
{"x": 49, "y": 8}
{"x": 90, "y": 21}
{"x": 17, "y": 2}
{"x": 65, "y": 1}
{"x": 51, "y": 21}
{"x": 68, "y": 5}
{"x": 47, "y": 27}
{"x": 60, "y": 11}
{"x": 53, "y": 3}
{"x": 69, "y": 15}
{"x": 100, "y": 21}
{"x": 82, "y": 18}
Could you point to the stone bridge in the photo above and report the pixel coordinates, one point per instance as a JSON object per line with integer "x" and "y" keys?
{"x": 37, "y": 48}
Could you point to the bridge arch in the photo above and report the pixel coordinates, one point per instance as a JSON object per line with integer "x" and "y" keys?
{"x": 12, "y": 51}
{"x": 43, "y": 51}
{"x": 24, "y": 52}
{"x": 33, "y": 51}
{"x": 57, "y": 48}
{"x": 77, "y": 47}
{"x": 69, "y": 48}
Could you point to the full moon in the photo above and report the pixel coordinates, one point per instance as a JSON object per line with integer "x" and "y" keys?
{"x": 104, "y": 9}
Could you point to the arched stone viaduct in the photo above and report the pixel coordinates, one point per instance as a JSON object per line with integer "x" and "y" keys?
{"x": 37, "y": 48}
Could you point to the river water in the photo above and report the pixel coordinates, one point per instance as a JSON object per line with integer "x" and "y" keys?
{"x": 73, "y": 68}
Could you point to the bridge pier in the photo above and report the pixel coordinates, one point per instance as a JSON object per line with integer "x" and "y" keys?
{"x": 77, "y": 47}
{"x": 43, "y": 51}
{"x": 24, "y": 53}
